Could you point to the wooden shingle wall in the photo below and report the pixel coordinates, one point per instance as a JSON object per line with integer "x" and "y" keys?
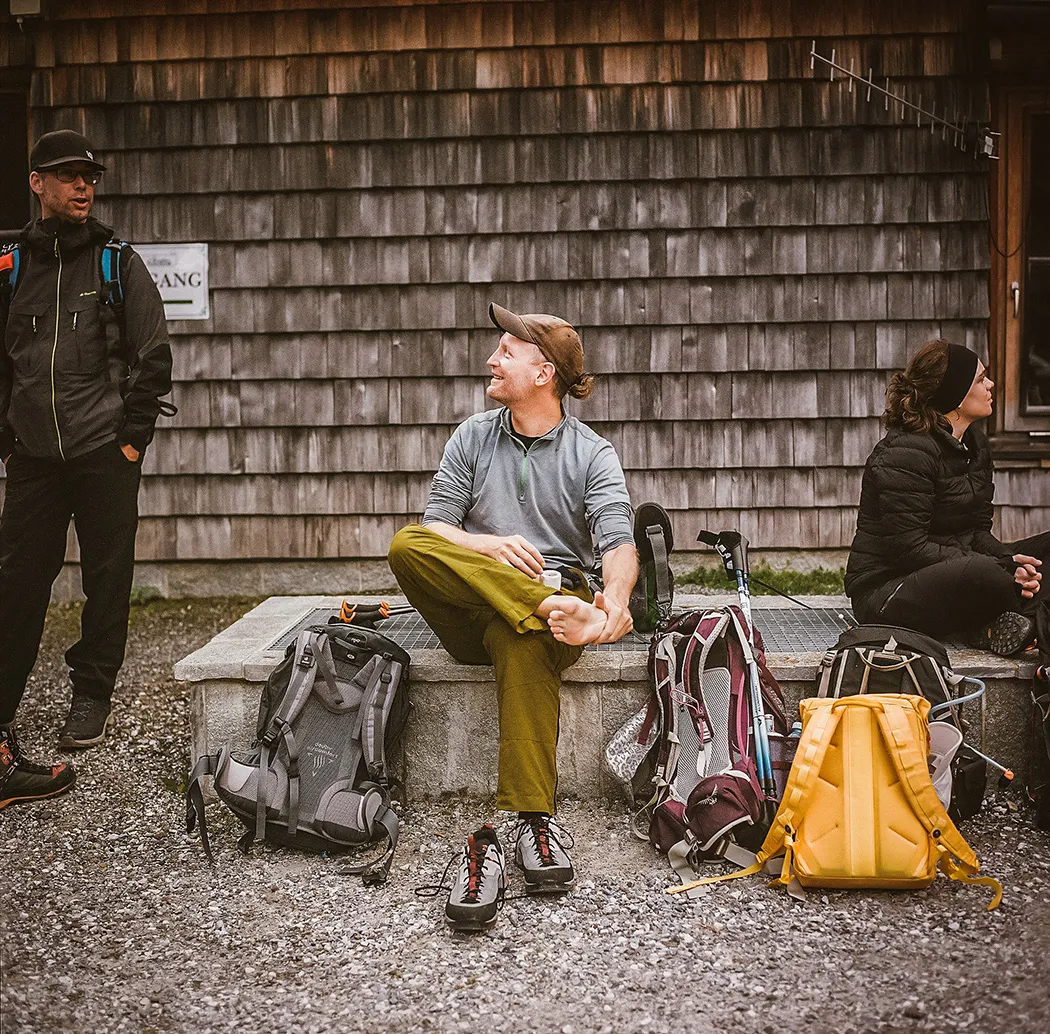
{"x": 746, "y": 247}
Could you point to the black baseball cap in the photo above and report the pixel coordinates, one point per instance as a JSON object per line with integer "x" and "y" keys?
{"x": 63, "y": 147}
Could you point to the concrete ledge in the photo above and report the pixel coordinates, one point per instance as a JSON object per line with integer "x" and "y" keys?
{"x": 450, "y": 745}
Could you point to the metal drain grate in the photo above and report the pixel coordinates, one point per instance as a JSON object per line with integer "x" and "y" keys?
{"x": 783, "y": 630}
{"x": 802, "y": 631}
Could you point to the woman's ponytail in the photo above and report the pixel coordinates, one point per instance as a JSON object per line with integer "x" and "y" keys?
{"x": 909, "y": 405}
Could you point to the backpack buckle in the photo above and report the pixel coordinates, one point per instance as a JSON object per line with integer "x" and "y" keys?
{"x": 307, "y": 658}
{"x": 276, "y": 731}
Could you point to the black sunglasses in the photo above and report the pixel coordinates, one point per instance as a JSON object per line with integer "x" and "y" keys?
{"x": 70, "y": 176}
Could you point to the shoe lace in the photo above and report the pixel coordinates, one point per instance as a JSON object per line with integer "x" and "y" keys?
{"x": 476, "y": 852}
{"x": 9, "y": 745}
{"x": 544, "y": 832}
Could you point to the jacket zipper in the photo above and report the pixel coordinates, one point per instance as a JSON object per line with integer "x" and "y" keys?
{"x": 54, "y": 348}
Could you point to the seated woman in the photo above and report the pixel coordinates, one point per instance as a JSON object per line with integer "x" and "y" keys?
{"x": 924, "y": 556}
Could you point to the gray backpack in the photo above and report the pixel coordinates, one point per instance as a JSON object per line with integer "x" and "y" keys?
{"x": 329, "y": 714}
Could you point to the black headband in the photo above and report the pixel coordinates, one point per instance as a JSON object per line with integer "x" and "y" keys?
{"x": 957, "y": 379}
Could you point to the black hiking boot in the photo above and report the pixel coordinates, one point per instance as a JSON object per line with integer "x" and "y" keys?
{"x": 23, "y": 780}
{"x": 1008, "y": 634}
{"x": 86, "y": 724}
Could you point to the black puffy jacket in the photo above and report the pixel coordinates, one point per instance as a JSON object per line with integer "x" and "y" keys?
{"x": 67, "y": 384}
{"x": 925, "y": 497}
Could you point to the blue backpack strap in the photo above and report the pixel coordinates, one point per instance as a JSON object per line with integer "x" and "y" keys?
{"x": 110, "y": 274}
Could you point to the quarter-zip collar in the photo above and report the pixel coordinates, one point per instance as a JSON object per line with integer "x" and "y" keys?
{"x": 46, "y": 236}
{"x": 507, "y": 425}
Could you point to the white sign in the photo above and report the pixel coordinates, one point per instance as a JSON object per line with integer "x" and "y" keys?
{"x": 181, "y": 273}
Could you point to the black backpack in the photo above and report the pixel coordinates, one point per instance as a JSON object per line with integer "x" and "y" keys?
{"x": 887, "y": 659}
{"x": 329, "y": 715}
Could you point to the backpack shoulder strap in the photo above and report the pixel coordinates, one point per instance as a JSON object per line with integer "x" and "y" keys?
{"x": 110, "y": 274}
{"x": 658, "y": 545}
{"x": 957, "y": 859}
{"x": 308, "y": 648}
{"x": 10, "y": 266}
{"x": 375, "y": 710}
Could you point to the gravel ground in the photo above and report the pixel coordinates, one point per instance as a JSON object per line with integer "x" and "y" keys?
{"x": 113, "y": 923}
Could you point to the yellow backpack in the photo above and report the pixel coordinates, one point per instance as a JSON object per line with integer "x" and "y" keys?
{"x": 859, "y": 809}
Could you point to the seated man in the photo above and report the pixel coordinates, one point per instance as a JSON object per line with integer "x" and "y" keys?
{"x": 525, "y": 500}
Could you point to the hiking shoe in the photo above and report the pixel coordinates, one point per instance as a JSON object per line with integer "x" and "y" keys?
{"x": 481, "y": 882}
{"x": 23, "y": 780}
{"x": 86, "y": 724}
{"x": 1008, "y": 634}
{"x": 541, "y": 851}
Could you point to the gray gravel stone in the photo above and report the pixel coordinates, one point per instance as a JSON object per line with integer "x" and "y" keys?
{"x": 112, "y": 922}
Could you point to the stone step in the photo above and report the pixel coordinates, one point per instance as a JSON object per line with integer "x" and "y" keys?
{"x": 451, "y": 741}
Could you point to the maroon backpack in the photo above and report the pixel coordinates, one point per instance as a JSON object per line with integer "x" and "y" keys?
{"x": 693, "y": 741}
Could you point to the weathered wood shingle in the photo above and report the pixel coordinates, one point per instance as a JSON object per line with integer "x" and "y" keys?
{"x": 747, "y": 248}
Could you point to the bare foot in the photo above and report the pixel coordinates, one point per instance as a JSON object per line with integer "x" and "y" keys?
{"x": 575, "y": 621}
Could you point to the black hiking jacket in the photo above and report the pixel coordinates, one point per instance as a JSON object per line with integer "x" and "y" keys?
{"x": 66, "y": 384}
{"x": 925, "y": 498}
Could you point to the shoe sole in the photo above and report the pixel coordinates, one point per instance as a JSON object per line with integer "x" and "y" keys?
{"x": 549, "y": 887}
{"x": 545, "y": 886}
{"x": 470, "y": 925}
{"x": 67, "y": 742}
{"x": 1010, "y": 637}
{"x": 39, "y": 796}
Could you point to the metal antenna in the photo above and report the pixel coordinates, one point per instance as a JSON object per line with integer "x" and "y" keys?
{"x": 984, "y": 139}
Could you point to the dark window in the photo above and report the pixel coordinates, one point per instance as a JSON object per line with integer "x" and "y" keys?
{"x": 1035, "y": 331}
{"x": 14, "y": 169}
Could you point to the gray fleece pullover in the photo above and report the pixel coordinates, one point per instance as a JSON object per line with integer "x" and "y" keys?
{"x": 565, "y": 494}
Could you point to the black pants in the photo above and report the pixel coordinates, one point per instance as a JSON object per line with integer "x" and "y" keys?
{"x": 99, "y": 492}
{"x": 958, "y": 595}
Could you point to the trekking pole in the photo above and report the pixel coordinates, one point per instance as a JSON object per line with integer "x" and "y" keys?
{"x": 1007, "y": 773}
{"x": 732, "y": 548}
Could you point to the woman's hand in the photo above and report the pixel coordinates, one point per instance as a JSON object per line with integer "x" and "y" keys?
{"x": 1027, "y": 574}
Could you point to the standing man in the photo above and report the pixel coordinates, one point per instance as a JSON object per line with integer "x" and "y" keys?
{"x": 526, "y": 502}
{"x": 83, "y": 367}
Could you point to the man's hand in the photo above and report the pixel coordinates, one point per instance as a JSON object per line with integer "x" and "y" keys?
{"x": 514, "y": 550}
{"x": 130, "y": 453}
{"x": 1028, "y": 575}
{"x": 619, "y": 573}
{"x": 618, "y": 622}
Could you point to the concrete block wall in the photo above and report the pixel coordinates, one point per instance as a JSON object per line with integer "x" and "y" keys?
{"x": 451, "y": 742}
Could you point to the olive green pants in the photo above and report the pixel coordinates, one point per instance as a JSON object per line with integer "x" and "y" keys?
{"x": 483, "y": 611}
